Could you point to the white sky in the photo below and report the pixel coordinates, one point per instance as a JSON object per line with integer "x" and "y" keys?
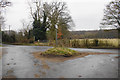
{"x": 86, "y": 14}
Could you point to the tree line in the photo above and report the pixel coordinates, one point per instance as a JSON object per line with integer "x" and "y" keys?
{"x": 49, "y": 17}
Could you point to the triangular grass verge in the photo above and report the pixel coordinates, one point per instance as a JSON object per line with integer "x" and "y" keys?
{"x": 60, "y": 51}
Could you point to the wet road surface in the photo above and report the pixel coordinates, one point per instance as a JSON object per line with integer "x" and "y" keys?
{"x": 19, "y": 62}
{"x": 0, "y": 69}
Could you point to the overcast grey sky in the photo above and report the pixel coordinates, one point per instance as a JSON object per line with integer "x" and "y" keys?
{"x": 86, "y": 14}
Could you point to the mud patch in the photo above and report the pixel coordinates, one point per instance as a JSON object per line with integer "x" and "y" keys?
{"x": 10, "y": 76}
{"x": 36, "y": 64}
{"x": 37, "y": 76}
{"x": 79, "y": 76}
{"x": 43, "y": 73}
{"x": 117, "y": 57}
{"x": 8, "y": 63}
{"x": 44, "y": 65}
{"x": 61, "y": 78}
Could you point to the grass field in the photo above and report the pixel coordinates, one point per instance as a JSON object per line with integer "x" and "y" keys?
{"x": 107, "y": 43}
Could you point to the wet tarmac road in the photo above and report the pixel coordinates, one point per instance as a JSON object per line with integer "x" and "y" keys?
{"x": 19, "y": 62}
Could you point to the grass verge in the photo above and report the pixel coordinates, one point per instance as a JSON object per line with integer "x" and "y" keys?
{"x": 58, "y": 51}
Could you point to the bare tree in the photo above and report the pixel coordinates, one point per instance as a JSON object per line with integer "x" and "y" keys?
{"x": 35, "y": 9}
{"x": 112, "y": 15}
{"x": 39, "y": 20}
{"x": 3, "y": 4}
{"x": 47, "y": 15}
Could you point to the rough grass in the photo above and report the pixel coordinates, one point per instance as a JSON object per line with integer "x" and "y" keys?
{"x": 58, "y": 51}
{"x": 95, "y": 43}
